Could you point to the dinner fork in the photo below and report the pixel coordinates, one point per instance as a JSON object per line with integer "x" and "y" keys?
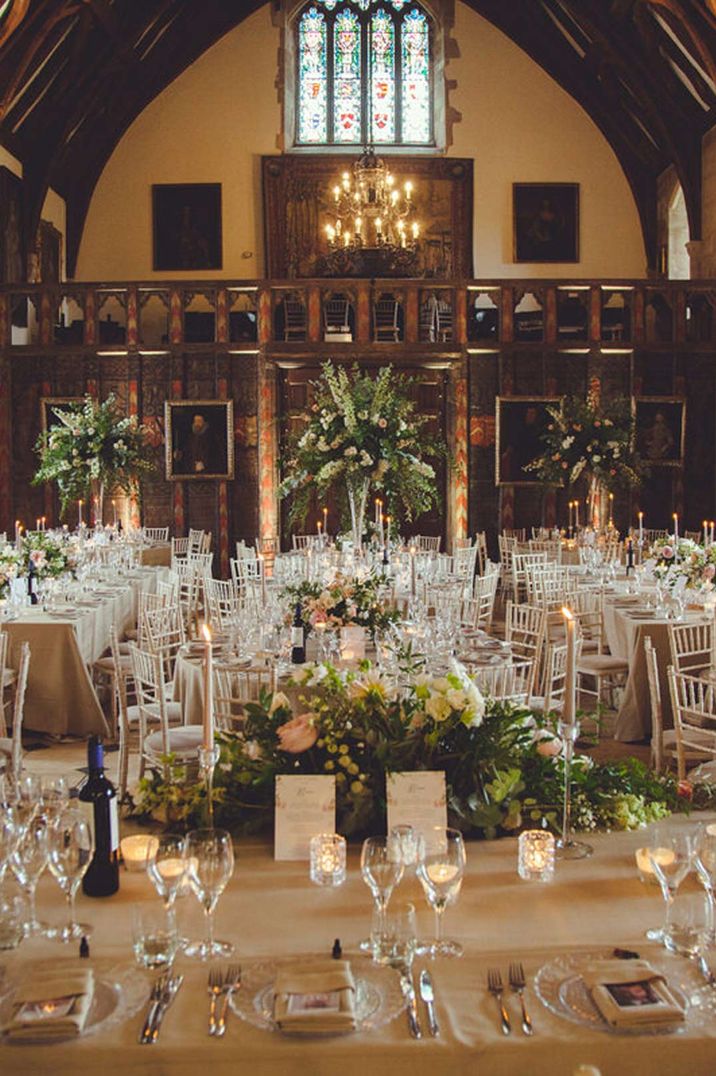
{"x": 232, "y": 981}
{"x": 494, "y": 985}
{"x": 214, "y": 988}
{"x": 155, "y": 998}
{"x": 518, "y": 983}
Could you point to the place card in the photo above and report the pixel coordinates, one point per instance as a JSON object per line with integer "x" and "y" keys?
{"x": 417, "y": 798}
{"x": 305, "y": 805}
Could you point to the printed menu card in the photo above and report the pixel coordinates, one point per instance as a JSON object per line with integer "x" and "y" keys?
{"x": 305, "y": 806}
{"x": 417, "y": 798}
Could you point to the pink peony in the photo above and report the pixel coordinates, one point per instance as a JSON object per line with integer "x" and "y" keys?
{"x": 667, "y": 552}
{"x": 297, "y": 735}
{"x": 709, "y": 571}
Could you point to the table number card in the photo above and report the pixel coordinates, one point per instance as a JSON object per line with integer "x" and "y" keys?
{"x": 305, "y": 805}
{"x": 417, "y": 798}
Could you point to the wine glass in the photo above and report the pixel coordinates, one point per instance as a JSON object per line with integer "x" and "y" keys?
{"x": 381, "y": 866}
{"x": 671, "y": 856}
{"x": 27, "y": 798}
{"x": 28, "y": 861}
{"x": 209, "y": 858}
{"x": 167, "y": 867}
{"x": 705, "y": 863}
{"x": 70, "y": 847}
{"x": 10, "y": 833}
{"x": 440, "y": 872}
{"x": 55, "y": 797}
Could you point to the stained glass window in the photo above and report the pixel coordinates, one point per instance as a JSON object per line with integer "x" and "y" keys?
{"x": 312, "y": 78}
{"x": 347, "y": 110}
{"x": 364, "y": 72}
{"x": 382, "y": 47}
{"x": 415, "y": 44}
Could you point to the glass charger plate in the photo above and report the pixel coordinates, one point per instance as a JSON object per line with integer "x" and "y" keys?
{"x": 118, "y": 994}
{"x": 378, "y": 995}
{"x": 561, "y": 989}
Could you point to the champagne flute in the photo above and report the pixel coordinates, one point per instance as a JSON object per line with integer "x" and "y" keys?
{"x": 28, "y": 861}
{"x": 209, "y": 857}
{"x": 441, "y": 872}
{"x": 71, "y": 847}
{"x": 671, "y": 859}
{"x": 705, "y": 863}
{"x": 167, "y": 867}
{"x": 381, "y": 867}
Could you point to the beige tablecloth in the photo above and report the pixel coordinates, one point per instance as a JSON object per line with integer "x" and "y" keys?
{"x": 157, "y": 556}
{"x": 60, "y": 698}
{"x": 271, "y": 909}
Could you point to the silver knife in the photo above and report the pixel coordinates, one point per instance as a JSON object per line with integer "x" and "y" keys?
{"x": 166, "y": 1000}
{"x": 406, "y": 985}
{"x": 428, "y": 995}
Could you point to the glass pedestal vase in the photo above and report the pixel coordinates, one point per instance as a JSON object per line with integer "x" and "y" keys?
{"x": 357, "y": 501}
{"x": 598, "y": 502}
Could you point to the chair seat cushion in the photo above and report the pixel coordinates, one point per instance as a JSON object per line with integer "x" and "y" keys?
{"x": 106, "y": 665}
{"x": 602, "y": 663}
{"x": 173, "y": 712}
{"x": 184, "y": 741}
{"x": 8, "y": 677}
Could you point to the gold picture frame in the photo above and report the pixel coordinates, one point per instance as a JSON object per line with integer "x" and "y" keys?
{"x": 519, "y": 423}
{"x": 660, "y": 429}
{"x": 199, "y": 442}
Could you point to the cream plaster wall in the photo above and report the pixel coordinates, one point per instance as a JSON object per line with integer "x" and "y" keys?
{"x": 213, "y": 123}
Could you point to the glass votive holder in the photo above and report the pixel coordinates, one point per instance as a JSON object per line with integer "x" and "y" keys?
{"x": 328, "y": 859}
{"x": 136, "y": 850}
{"x": 535, "y": 856}
{"x": 644, "y": 856}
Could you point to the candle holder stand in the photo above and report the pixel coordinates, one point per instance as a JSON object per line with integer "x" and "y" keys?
{"x": 566, "y": 846}
{"x": 208, "y": 758}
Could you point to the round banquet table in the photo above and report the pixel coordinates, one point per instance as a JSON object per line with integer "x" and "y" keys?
{"x": 271, "y": 910}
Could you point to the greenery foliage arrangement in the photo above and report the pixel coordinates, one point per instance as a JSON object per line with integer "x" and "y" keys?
{"x": 345, "y": 600}
{"x": 502, "y": 763}
{"x": 590, "y": 438}
{"x": 94, "y": 447}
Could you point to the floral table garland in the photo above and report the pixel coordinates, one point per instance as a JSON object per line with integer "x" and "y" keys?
{"x": 502, "y": 762}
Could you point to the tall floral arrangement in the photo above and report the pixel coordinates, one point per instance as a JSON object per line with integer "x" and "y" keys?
{"x": 683, "y": 563}
{"x": 342, "y": 601}
{"x": 362, "y": 434}
{"x": 590, "y": 438}
{"x": 49, "y": 554}
{"x": 95, "y": 448}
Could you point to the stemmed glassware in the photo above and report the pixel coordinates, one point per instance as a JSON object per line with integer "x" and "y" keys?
{"x": 28, "y": 861}
{"x": 441, "y": 871}
{"x": 10, "y": 833}
{"x": 705, "y": 863}
{"x": 567, "y": 847}
{"x": 209, "y": 858}
{"x": 167, "y": 867}
{"x": 671, "y": 854}
{"x": 55, "y": 797}
{"x": 382, "y": 867}
{"x": 70, "y": 852}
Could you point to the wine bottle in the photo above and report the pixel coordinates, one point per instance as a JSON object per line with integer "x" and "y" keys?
{"x": 98, "y": 798}
{"x": 298, "y": 642}
{"x": 630, "y": 555}
{"x": 32, "y": 583}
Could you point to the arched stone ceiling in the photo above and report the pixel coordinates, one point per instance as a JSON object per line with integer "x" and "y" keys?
{"x": 74, "y": 74}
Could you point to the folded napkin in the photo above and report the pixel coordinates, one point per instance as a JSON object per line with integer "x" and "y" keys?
{"x": 315, "y": 998}
{"x": 50, "y": 1004}
{"x": 630, "y": 993}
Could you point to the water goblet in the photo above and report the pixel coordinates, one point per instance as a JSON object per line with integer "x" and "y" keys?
{"x": 167, "y": 867}
{"x": 28, "y": 861}
{"x": 70, "y": 851}
{"x": 381, "y": 868}
{"x": 209, "y": 856}
{"x": 671, "y": 859}
{"x": 441, "y": 872}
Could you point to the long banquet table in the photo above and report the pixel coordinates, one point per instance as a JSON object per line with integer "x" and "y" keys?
{"x": 271, "y": 910}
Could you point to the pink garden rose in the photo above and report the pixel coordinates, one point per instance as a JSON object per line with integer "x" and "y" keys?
{"x": 297, "y": 735}
{"x": 709, "y": 571}
{"x": 667, "y": 552}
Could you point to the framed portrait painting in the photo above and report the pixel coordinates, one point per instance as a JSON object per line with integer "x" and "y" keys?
{"x": 520, "y": 422}
{"x": 199, "y": 439}
{"x": 187, "y": 226}
{"x": 48, "y": 416}
{"x": 660, "y": 423}
{"x": 545, "y": 222}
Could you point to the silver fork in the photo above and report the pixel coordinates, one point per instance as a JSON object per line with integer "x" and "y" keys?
{"x": 214, "y": 988}
{"x": 494, "y": 985}
{"x": 155, "y": 998}
{"x": 232, "y": 981}
{"x": 518, "y": 984}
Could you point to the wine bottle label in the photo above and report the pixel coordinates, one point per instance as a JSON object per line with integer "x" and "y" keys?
{"x": 297, "y": 637}
{"x": 87, "y": 811}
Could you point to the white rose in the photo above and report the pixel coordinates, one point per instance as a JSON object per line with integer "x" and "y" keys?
{"x": 279, "y": 702}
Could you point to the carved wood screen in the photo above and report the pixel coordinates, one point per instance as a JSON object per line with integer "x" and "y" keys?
{"x": 430, "y": 392}
{"x": 296, "y": 202}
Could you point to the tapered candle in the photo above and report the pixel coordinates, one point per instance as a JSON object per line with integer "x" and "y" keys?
{"x": 413, "y": 581}
{"x": 38, "y": 522}
{"x": 262, "y": 575}
{"x": 79, "y": 512}
{"x": 325, "y": 521}
{"x": 208, "y": 722}
{"x": 576, "y": 514}
{"x": 43, "y": 521}
{"x": 676, "y": 527}
{"x": 18, "y": 534}
{"x": 319, "y": 525}
{"x": 570, "y": 676}
{"x": 705, "y": 532}
{"x": 641, "y": 527}
{"x": 387, "y": 528}
{"x": 114, "y": 512}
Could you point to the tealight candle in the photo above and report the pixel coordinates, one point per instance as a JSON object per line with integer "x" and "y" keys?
{"x": 136, "y": 850}
{"x": 441, "y": 873}
{"x": 644, "y": 856}
{"x": 535, "y": 855}
{"x": 328, "y": 859}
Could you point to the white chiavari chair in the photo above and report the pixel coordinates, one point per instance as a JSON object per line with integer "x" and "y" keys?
{"x": 691, "y": 646}
{"x": 11, "y": 746}
{"x": 196, "y": 540}
{"x": 155, "y": 534}
{"x": 663, "y": 741}
{"x": 507, "y": 683}
{"x": 153, "y": 712}
{"x": 508, "y": 547}
{"x": 549, "y": 585}
{"x": 693, "y": 704}
{"x": 525, "y": 631}
{"x": 555, "y": 678}
{"x": 521, "y": 564}
{"x": 551, "y": 546}
{"x": 426, "y": 543}
{"x": 234, "y": 687}
{"x": 7, "y": 679}
{"x": 223, "y": 604}
{"x": 606, "y": 670}
{"x": 163, "y": 632}
{"x": 189, "y": 591}
{"x": 484, "y": 593}
{"x": 179, "y": 551}
{"x": 246, "y": 552}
